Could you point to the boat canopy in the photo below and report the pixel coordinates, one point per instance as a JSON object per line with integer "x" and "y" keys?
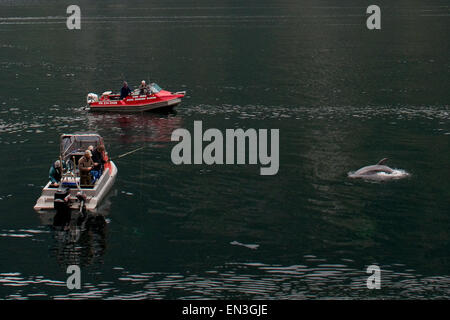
{"x": 78, "y": 143}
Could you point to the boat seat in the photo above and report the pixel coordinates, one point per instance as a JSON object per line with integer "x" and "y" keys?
{"x": 69, "y": 184}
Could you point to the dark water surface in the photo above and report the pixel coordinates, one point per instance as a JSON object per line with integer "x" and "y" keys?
{"x": 342, "y": 96}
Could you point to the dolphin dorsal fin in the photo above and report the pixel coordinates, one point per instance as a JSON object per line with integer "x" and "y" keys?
{"x": 382, "y": 161}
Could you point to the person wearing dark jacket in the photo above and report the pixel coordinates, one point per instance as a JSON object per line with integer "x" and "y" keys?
{"x": 98, "y": 158}
{"x": 125, "y": 91}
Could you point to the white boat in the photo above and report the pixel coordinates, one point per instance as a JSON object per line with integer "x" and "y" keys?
{"x": 70, "y": 194}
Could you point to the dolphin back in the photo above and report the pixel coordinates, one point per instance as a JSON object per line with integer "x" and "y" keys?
{"x": 378, "y": 171}
{"x": 368, "y": 170}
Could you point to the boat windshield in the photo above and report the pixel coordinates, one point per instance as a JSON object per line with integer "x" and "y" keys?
{"x": 154, "y": 88}
{"x": 71, "y": 144}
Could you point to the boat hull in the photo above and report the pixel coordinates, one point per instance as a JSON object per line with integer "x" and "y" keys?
{"x": 94, "y": 195}
{"x": 120, "y": 106}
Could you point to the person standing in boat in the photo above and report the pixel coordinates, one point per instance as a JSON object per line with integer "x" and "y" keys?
{"x": 55, "y": 173}
{"x": 85, "y": 165}
{"x": 98, "y": 156}
{"x": 125, "y": 91}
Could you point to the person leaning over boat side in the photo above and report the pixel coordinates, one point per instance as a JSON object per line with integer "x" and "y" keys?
{"x": 99, "y": 161}
{"x": 144, "y": 89}
{"x": 55, "y": 173}
{"x": 94, "y": 174}
{"x": 85, "y": 165}
{"x": 125, "y": 91}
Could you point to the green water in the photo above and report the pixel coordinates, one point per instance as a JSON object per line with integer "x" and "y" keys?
{"x": 342, "y": 97}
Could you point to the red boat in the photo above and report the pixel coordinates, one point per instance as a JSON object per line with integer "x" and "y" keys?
{"x": 157, "y": 98}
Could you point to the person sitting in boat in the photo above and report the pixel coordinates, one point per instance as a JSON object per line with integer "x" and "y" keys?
{"x": 125, "y": 91}
{"x": 55, "y": 173}
{"x": 85, "y": 165}
{"x": 144, "y": 89}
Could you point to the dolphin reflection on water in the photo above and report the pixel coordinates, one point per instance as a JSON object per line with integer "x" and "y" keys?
{"x": 379, "y": 171}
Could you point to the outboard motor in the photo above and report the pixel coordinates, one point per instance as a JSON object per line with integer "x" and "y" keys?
{"x": 61, "y": 200}
{"x": 91, "y": 98}
{"x": 61, "y": 203}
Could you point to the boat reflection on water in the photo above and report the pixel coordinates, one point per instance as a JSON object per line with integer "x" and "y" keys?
{"x": 138, "y": 128}
{"x": 80, "y": 237}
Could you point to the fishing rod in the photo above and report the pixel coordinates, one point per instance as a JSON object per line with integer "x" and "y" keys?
{"x": 74, "y": 175}
{"x": 130, "y": 152}
{"x": 81, "y": 196}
